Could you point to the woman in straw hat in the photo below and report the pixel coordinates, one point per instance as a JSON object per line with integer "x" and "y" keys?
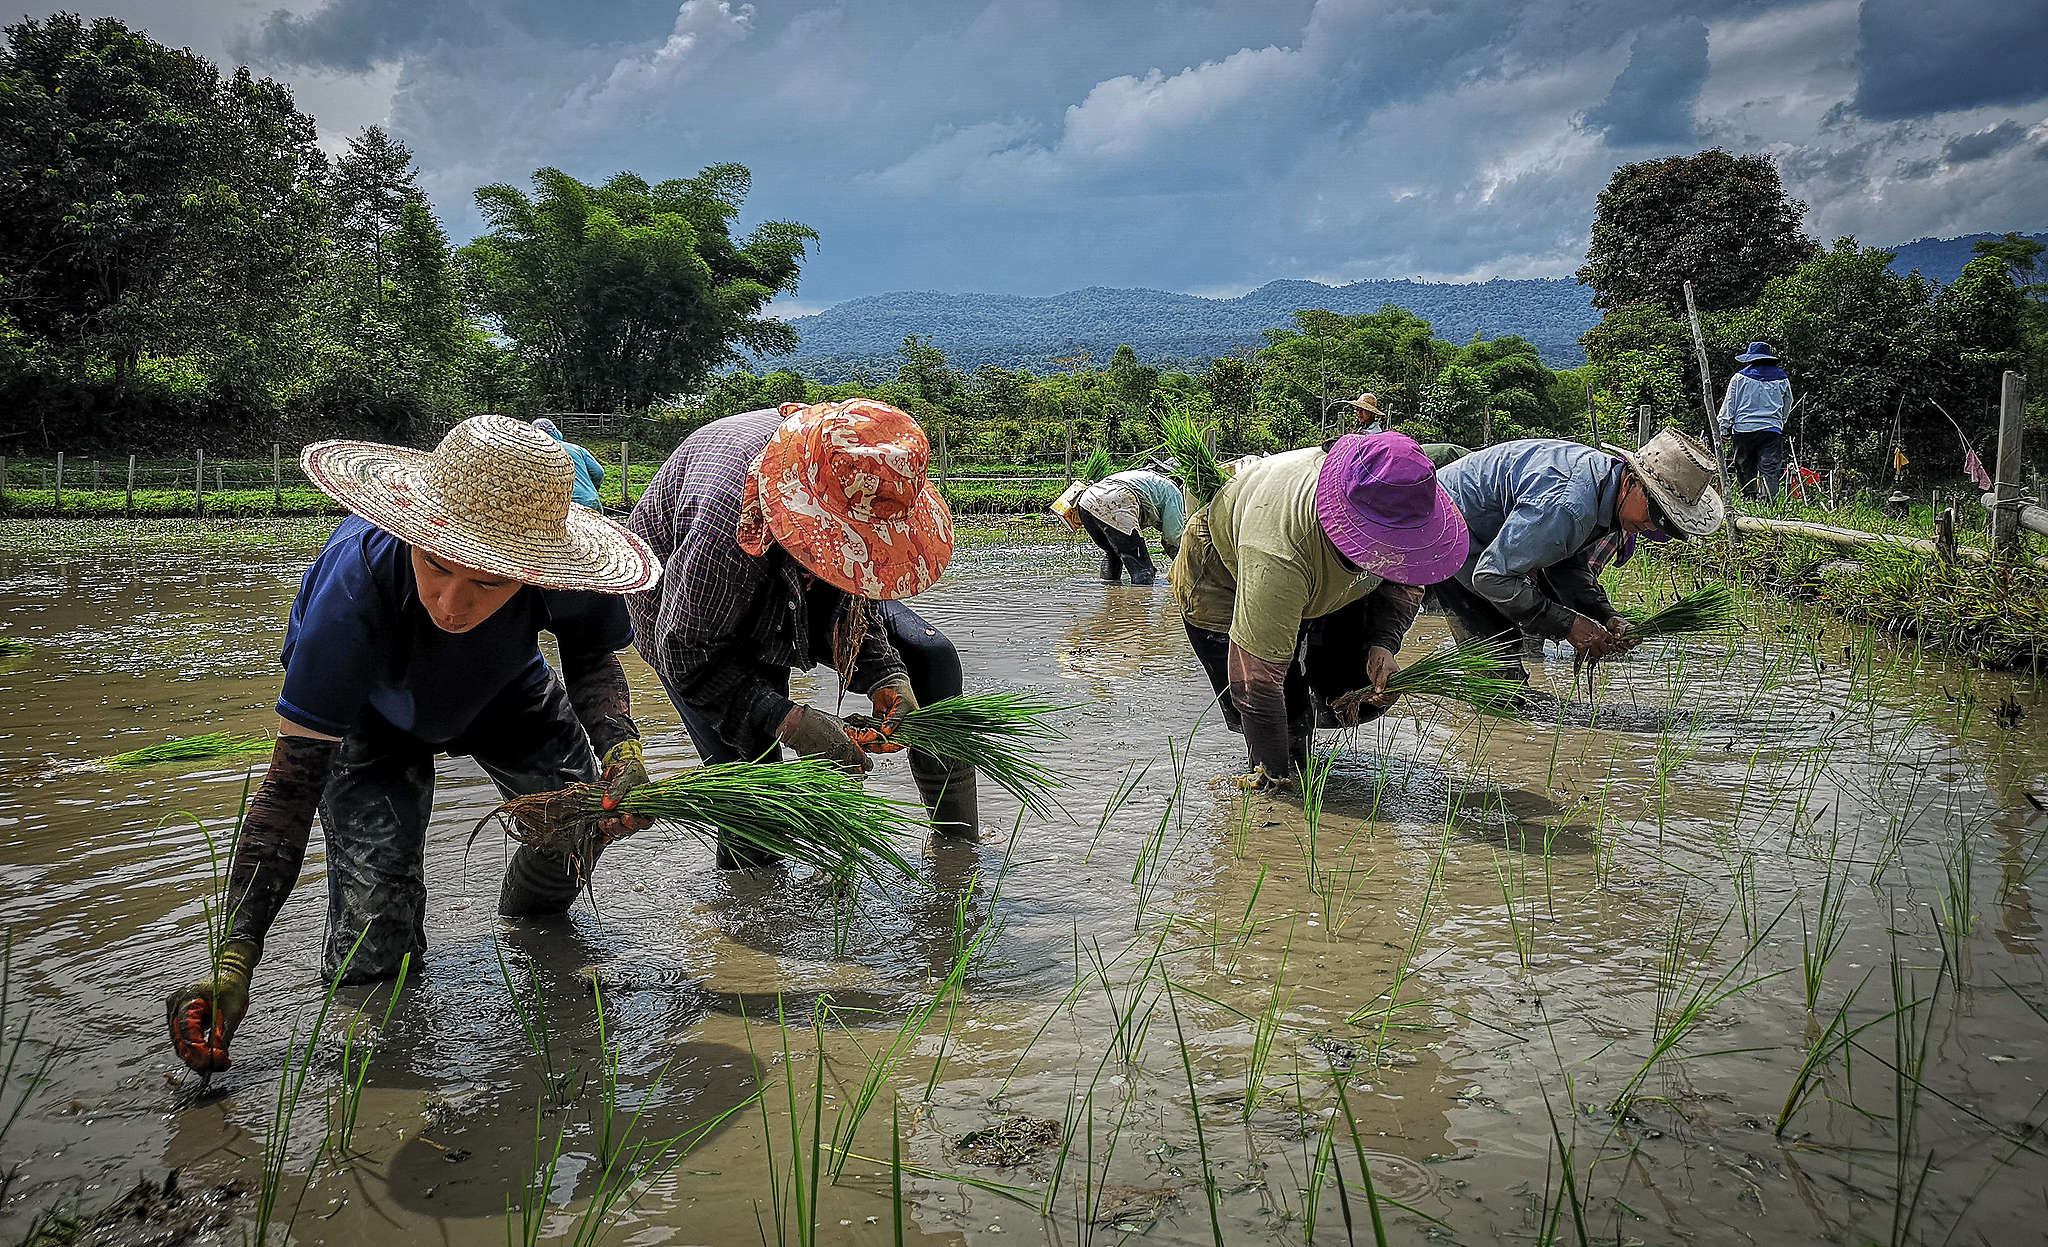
{"x": 1299, "y": 577}
{"x": 1545, "y": 515}
{"x": 415, "y": 633}
{"x": 789, "y": 537}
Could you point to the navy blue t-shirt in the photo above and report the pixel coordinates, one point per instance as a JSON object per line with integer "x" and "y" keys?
{"x": 359, "y": 637}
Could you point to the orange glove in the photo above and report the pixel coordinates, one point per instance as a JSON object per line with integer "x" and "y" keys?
{"x": 203, "y": 1017}
{"x": 893, "y": 698}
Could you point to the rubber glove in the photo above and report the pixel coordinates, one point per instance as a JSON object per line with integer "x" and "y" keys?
{"x": 815, "y": 734}
{"x": 203, "y": 1017}
{"x": 624, "y": 768}
{"x": 893, "y": 698}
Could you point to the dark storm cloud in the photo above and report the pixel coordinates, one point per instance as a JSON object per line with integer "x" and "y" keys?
{"x": 1920, "y": 58}
{"x": 355, "y": 35}
{"x": 1652, "y": 100}
{"x": 1984, "y": 144}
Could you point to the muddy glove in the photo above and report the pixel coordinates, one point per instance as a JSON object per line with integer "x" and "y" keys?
{"x": 893, "y": 699}
{"x": 203, "y": 1017}
{"x": 815, "y": 734}
{"x": 624, "y": 769}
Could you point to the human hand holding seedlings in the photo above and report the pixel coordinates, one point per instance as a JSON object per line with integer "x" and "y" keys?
{"x": 1380, "y": 667}
{"x": 1588, "y": 639}
{"x": 624, "y": 769}
{"x": 815, "y": 734}
{"x": 203, "y": 1017}
{"x": 1617, "y": 627}
{"x": 893, "y": 698}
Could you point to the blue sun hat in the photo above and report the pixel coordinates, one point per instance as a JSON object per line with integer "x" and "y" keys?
{"x": 1757, "y": 351}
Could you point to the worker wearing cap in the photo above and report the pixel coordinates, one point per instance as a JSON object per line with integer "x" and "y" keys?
{"x": 415, "y": 633}
{"x": 789, "y": 538}
{"x": 1544, "y": 513}
{"x": 1116, "y": 511}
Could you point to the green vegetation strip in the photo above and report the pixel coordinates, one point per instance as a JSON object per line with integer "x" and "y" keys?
{"x": 189, "y": 749}
{"x": 808, "y": 811}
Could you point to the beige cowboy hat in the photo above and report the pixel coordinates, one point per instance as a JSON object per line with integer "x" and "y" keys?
{"x": 1366, "y": 404}
{"x": 1679, "y": 475}
{"x": 495, "y": 496}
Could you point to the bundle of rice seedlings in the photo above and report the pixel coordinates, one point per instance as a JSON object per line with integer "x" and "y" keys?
{"x": 807, "y": 810}
{"x": 1199, "y": 471}
{"x": 190, "y": 748}
{"x": 1710, "y": 609}
{"x": 991, "y": 732}
{"x": 1095, "y": 466}
{"x": 1470, "y": 672}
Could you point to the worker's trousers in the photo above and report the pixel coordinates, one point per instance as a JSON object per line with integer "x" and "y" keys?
{"x": 1760, "y": 457}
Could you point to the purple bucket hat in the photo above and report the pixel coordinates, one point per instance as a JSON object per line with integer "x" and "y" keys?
{"x": 1380, "y": 505}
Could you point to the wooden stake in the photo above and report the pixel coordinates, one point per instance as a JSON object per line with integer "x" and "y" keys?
{"x": 199, "y": 486}
{"x": 57, "y": 498}
{"x": 1070, "y": 448}
{"x": 95, "y": 476}
{"x": 1945, "y": 534}
{"x": 131, "y": 487}
{"x": 276, "y": 478}
{"x": 1642, "y": 425}
{"x": 625, "y": 474}
{"x": 2005, "y": 518}
{"x": 1699, "y": 346}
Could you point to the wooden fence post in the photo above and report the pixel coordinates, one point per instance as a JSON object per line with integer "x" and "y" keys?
{"x": 1486, "y": 435}
{"x": 1699, "y": 346}
{"x": 220, "y": 484}
{"x": 1945, "y": 534}
{"x": 276, "y": 478}
{"x": 1069, "y": 460}
{"x": 57, "y": 498}
{"x": 95, "y": 476}
{"x": 1642, "y": 425}
{"x": 2005, "y": 489}
{"x": 625, "y": 474}
{"x": 199, "y": 486}
{"x": 131, "y": 487}
{"x": 1592, "y": 421}
{"x": 3, "y": 483}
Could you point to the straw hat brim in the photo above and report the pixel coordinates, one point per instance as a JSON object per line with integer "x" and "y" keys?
{"x": 1694, "y": 519}
{"x": 391, "y": 487}
{"x": 897, "y": 557}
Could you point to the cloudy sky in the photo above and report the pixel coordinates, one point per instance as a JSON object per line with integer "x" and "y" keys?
{"x": 1032, "y": 146}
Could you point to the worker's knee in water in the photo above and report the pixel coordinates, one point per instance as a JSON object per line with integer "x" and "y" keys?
{"x": 373, "y": 934}
{"x": 537, "y": 885}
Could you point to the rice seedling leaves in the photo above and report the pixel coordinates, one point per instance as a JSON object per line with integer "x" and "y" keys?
{"x": 189, "y": 749}
{"x": 991, "y": 732}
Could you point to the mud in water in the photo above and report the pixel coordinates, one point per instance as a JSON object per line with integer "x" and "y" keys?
{"x": 1475, "y": 945}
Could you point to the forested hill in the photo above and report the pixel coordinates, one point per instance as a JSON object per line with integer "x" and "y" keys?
{"x": 1168, "y": 329}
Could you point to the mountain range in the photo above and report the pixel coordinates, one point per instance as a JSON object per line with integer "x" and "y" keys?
{"x": 1172, "y": 330}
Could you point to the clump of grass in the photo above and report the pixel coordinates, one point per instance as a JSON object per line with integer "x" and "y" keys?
{"x": 1710, "y": 609}
{"x": 808, "y": 811}
{"x": 1471, "y": 672}
{"x": 13, "y": 646}
{"x": 189, "y": 749}
{"x": 1095, "y": 466}
{"x": 1199, "y": 470}
{"x": 992, "y": 732}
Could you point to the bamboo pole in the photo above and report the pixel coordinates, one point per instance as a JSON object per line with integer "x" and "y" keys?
{"x": 1699, "y": 346}
{"x": 1069, "y": 460}
{"x": 1854, "y": 538}
{"x": 2030, "y": 517}
{"x": 2005, "y": 514}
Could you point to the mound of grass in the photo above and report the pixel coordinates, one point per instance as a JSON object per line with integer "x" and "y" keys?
{"x": 190, "y": 749}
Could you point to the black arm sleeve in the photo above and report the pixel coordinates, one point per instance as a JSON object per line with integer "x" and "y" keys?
{"x": 601, "y": 698}
{"x": 271, "y": 846}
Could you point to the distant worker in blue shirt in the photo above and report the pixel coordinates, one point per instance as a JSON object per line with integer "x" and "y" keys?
{"x": 1753, "y": 411}
{"x": 589, "y": 472}
{"x": 1115, "y": 512}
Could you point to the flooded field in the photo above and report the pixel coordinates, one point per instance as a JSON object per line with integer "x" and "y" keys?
{"x": 1747, "y": 953}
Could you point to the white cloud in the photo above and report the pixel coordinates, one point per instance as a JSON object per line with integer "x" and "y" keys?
{"x": 702, "y": 28}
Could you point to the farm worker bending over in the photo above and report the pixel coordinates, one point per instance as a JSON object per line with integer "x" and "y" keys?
{"x": 1753, "y": 411}
{"x": 589, "y": 472}
{"x": 1546, "y": 514}
{"x": 1117, "y": 509}
{"x": 415, "y": 633}
{"x": 1301, "y": 575}
{"x": 788, "y": 537}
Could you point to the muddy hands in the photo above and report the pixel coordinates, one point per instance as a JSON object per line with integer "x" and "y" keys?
{"x": 203, "y": 1017}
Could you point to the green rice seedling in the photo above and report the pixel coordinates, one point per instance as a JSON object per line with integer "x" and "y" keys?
{"x": 1910, "y": 1046}
{"x": 1265, "y": 1029}
{"x": 1823, "y": 939}
{"x": 20, "y": 1078}
{"x": 1096, "y": 466}
{"x": 1372, "y": 1197}
{"x": 1708, "y": 609}
{"x": 1957, "y": 915}
{"x": 1470, "y": 672}
{"x": 293, "y": 1068}
{"x": 559, "y": 1086}
{"x": 1406, "y": 967}
{"x": 1685, "y": 1001}
{"x": 1822, "y": 1047}
{"x": 357, "y": 1047}
{"x": 525, "y": 1220}
{"x": 1244, "y": 924}
{"x": 1187, "y": 1065}
{"x": 1512, "y": 890}
{"x": 189, "y": 749}
{"x": 993, "y": 732}
{"x": 1188, "y": 442}
{"x": 807, "y": 810}
{"x": 1118, "y": 798}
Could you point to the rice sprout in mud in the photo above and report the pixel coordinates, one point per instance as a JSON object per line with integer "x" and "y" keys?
{"x": 989, "y": 731}
{"x": 1470, "y": 672}
{"x": 189, "y": 749}
{"x": 807, "y": 810}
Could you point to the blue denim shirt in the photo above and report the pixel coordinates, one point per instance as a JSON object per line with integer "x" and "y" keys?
{"x": 1530, "y": 505}
{"x": 1756, "y": 403}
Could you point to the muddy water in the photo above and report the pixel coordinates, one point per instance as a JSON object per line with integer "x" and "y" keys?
{"x": 1512, "y": 913}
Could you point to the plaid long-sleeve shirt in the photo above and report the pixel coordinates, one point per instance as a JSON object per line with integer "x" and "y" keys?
{"x": 720, "y": 614}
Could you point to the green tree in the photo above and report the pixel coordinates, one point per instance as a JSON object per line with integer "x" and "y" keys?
{"x": 1719, "y": 220}
{"x": 625, "y": 294}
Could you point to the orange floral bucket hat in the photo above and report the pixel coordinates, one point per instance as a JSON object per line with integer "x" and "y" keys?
{"x": 843, "y": 488}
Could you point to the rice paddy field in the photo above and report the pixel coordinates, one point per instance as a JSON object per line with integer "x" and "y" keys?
{"x": 1744, "y": 950}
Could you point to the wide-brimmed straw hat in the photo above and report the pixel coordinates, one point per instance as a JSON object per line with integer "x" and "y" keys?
{"x": 843, "y": 488}
{"x": 495, "y": 495}
{"x": 1380, "y": 505}
{"x": 1679, "y": 474}
{"x": 1366, "y": 404}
